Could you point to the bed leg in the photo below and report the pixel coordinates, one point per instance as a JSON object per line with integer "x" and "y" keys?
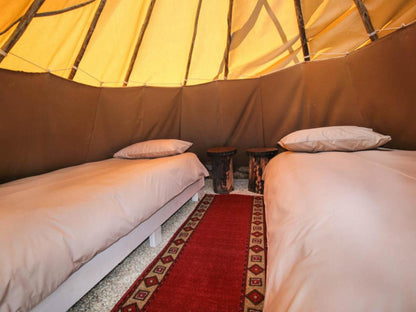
{"x": 156, "y": 237}
{"x": 195, "y": 198}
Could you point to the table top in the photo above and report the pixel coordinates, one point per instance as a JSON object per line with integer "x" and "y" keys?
{"x": 221, "y": 151}
{"x": 262, "y": 151}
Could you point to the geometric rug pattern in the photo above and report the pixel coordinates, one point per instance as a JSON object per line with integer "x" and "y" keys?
{"x": 216, "y": 261}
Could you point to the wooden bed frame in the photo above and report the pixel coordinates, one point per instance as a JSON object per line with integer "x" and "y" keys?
{"x": 88, "y": 275}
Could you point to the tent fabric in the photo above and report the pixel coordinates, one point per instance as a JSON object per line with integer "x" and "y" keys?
{"x": 48, "y": 122}
{"x": 172, "y": 36}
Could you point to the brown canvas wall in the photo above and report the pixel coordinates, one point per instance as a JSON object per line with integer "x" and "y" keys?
{"x": 45, "y": 123}
{"x": 383, "y": 79}
{"x": 218, "y": 114}
{"x": 48, "y": 123}
{"x": 115, "y": 121}
{"x": 126, "y": 116}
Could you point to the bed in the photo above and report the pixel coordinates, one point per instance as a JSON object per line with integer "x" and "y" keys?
{"x": 341, "y": 229}
{"x": 61, "y": 232}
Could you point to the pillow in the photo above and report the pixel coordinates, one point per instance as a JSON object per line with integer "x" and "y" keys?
{"x": 154, "y": 148}
{"x": 337, "y": 138}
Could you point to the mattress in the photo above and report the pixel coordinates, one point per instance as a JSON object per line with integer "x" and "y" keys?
{"x": 53, "y": 223}
{"x": 341, "y": 229}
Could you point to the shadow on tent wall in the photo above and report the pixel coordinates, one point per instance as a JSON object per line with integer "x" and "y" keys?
{"x": 47, "y": 122}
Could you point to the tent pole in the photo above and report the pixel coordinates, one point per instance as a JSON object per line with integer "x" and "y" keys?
{"x": 193, "y": 42}
{"x": 20, "y": 29}
{"x": 87, "y": 40}
{"x": 74, "y": 7}
{"x": 227, "y": 49}
{"x": 302, "y": 32}
{"x": 139, "y": 42}
{"x": 71, "y": 8}
{"x": 366, "y": 20}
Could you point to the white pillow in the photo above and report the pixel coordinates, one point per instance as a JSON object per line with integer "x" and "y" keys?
{"x": 154, "y": 148}
{"x": 337, "y": 138}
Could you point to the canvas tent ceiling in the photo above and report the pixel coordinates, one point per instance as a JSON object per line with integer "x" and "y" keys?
{"x": 185, "y": 42}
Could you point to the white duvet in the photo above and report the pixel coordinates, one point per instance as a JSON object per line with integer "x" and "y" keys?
{"x": 341, "y": 231}
{"x": 53, "y": 223}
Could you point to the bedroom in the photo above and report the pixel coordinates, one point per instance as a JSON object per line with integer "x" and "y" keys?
{"x": 238, "y": 88}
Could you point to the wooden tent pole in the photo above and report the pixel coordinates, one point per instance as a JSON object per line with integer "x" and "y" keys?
{"x": 86, "y": 40}
{"x": 74, "y": 7}
{"x": 193, "y": 43}
{"x": 20, "y": 29}
{"x": 366, "y": 20}
{"x": 302, "y": 32}
{"x": 227, "y": 49}
{"x": 139, "y": 42}
{"x": 71, "y": 8}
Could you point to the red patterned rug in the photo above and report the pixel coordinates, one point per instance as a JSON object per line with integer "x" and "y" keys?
{"x": 214, "y": 262}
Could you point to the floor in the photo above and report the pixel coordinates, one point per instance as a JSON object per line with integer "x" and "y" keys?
{"x": 107, "y": 292}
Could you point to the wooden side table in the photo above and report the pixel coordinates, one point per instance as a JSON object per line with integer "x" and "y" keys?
{"x": 222, "y": 168}
{"x": 258, "y": 159}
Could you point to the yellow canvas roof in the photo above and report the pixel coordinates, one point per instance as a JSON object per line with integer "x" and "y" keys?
{"x": 185, "y": 42}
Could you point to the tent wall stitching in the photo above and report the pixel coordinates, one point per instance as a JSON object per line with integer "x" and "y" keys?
{"x": 87, "y": 39}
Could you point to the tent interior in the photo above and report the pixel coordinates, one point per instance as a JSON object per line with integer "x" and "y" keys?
{"x": 81, "y": 79}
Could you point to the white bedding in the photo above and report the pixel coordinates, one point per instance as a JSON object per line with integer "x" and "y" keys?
{"x": 341, "y": 231}
{"x": 53, "y": 223}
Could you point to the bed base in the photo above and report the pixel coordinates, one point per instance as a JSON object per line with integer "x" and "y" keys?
{"x": 86, "y": 277}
